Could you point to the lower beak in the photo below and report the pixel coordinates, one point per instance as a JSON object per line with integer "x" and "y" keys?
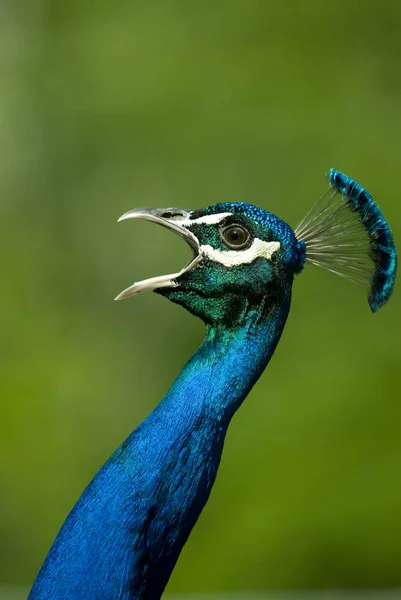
{"x": 177, "y": 220}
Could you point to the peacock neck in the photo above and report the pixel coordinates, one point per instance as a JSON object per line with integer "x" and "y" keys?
{"x": 124, "y": 535}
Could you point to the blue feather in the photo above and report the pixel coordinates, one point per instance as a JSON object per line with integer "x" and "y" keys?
{"x": 382, "y": 247}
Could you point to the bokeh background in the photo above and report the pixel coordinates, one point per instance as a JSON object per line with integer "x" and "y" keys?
{"x": 108, "y": 106}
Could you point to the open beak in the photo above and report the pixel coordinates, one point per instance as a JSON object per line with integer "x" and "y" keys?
{"x": 175, "y": 219}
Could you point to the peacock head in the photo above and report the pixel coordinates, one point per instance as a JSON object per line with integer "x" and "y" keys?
{"x": 243, "y": 257}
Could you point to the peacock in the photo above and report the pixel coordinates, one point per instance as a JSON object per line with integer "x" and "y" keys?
{"x": 123, "y": 537}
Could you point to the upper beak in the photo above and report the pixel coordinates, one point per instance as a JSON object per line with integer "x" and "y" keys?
{"x": 175, "y": 219}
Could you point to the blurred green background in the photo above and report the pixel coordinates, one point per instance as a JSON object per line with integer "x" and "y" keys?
{"x": 108, "y": 106}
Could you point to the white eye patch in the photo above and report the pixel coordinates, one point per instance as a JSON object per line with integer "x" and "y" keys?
{"x": 232, "y": 258}
{"x": 206, "y": 220}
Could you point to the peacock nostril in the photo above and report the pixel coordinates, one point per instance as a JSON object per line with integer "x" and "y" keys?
{"x": 173, "y": 214}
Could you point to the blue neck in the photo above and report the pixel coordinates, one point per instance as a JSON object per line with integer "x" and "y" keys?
{"x": 124, "y": 535}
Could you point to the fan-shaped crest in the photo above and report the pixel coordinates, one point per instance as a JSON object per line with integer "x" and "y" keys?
{"x": 346, "y": 233}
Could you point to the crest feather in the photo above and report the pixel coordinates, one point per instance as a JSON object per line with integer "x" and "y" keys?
{"x": 346, "y": 233}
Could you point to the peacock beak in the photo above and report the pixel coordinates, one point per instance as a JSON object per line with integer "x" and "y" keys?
{"x": 177, "y": 220}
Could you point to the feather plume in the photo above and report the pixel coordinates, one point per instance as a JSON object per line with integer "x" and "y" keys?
{"x": 346, "y": 233}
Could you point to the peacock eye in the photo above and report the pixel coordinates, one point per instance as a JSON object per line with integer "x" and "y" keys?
{"x": 235, "y": 236}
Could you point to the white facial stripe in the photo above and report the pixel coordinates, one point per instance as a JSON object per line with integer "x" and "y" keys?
{"x": 232, "y": 258}
{"x": 207, "y": 220}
